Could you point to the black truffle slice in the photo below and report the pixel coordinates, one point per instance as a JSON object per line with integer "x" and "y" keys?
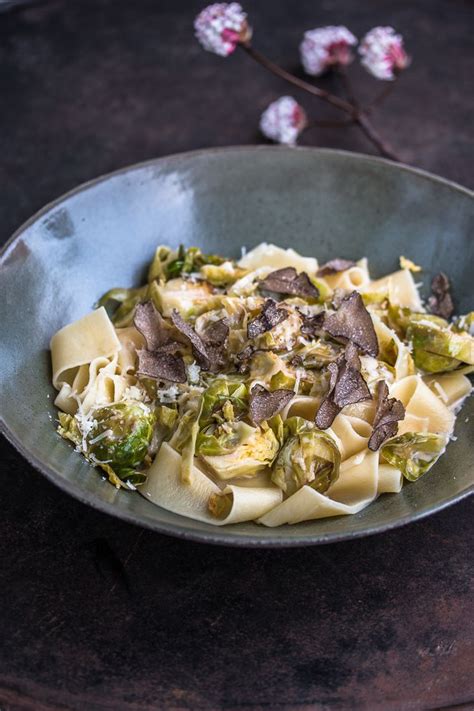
{"x": 312, "y": 325}
{"x": 198, "y": 346}
{"x": 346, "y": 387}
{"x": 334, "y": 266}
{"x": 287, "y": 281}
{"x": 215, "y": 340}
{"x": 387, "y": 415}
{"x": 162, "y": 366}
{"x": 265, "y": 403}
{"x": 244, "y": 358}
{"x": 217, "y": 332}
{"x": 270, "y": 316}
{"x": 352, "y": 322}
{"x": 441, "y": 301}
{"x": 151, "y": 325}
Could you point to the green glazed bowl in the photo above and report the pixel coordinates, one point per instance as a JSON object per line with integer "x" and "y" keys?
{"x": 103, "y": 234}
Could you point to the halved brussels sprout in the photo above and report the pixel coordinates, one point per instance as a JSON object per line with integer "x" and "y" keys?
{"x": 319, "y": 353}
{"x": 400, "y": 318}
{"x": 117, "y": 438}
{"x": 222, "y": 274}
{"x": 190, "y": 260}
{"x": 437, "y": 349}
{"x": 220, "y": 505}
{"x": 222, "y": 439}
{"x": 414, "y": 453}
{"x": 127, "y": 299}
{"x": 121, "y": 436}
{"x": 464, "y": 323}
{"x": 308, "y": 456}
{"x": 158, "y": 267}
{"x": 220, "y": 391}
{"x": 282, "y": 380}
{"x": 255, "y": 452}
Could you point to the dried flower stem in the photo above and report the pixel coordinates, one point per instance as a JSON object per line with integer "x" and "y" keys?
{"x": 385, "y": 93}
{"x": 357, "y": 115}
{"x": 329, "y": 124}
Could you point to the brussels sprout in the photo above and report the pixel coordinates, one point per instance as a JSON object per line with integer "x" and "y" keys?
{"x": 308, "y": 456}
{"x": 219, "y": 392}
{"x": 257, "y": 451}
{"x": 375, "y": 299}
{"x": 325, "y": 291}
{"x": 282, "y": 380}
{"x": 464, "y": 323}
{"x": 115, "y": 437}
{"x": 437, "y": 349}
{"x": 222, "y": 274}
{"x": 220, "y": 505}
{"x": 128, "y": 299}
{"x": 277, "y": 425}
{"x": 414, "y": 453}
{"x": 222, "y": 439}
{"x": 400, "y": 318}
{"x": 158, "y": 267}
{"x": 190, "y": 260}
{"x": 319, "y": 353}
{"x": 166, "y": 417}
{"x": 121, "y": 436}
{"x": 68, "y": 428}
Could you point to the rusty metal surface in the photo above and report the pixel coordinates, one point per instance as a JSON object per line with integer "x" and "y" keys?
{"x": 97, "y": 614}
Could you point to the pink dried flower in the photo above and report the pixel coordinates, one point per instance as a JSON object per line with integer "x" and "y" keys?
{"x": 220, "y": 27}
{"x": 326, "y": 47}
{"x": 383, "y": 54}
{"x": 283, "y": 120}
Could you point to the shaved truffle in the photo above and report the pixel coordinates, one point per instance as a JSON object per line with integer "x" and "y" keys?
{"x": 217, "y": 332}
{"x": 352, "y": 322}
{"x": 270, "y": 316}
{"x": 215, "y": 340}
{"x": 441, "y": 301}
{"x": 264, "y": 403}
{"x": 346, "y": 387}
{"x": 162, "y": 366}
{"x": 198, "y": 346}
{"x": 209, "y": 351}
{"x": 151, "y": 325}
{"x": 312, "y": 325}
{"x": 244, "y": 358}
{"x": 389, "y": 411}
{"x": 334, "y": 266}
{"x": 287, "y": 281}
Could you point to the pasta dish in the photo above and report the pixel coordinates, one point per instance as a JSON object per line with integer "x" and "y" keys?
{"x": 269, "y": 389}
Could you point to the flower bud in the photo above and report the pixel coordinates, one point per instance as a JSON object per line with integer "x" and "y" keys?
{"x": 383, "y": 54}
{"x": 283, "y": 120}
{"x": 326, "y": 47}
{"x": 221, "y": 26}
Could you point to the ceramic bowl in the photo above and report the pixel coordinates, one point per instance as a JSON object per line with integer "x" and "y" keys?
{"x": 321, "y": 202}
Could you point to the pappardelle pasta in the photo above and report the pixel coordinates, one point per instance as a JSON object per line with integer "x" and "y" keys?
{"x": 269, "y": 389}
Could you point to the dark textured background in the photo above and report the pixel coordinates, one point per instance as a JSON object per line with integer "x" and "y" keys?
{"x": 97, "y": 614}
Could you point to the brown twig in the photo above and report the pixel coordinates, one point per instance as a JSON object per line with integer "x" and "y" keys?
{"x": 384, "y": 94}
{"x": 296, "y": 81}
{"x": 347, "y": 84}
{"x": 358, "y": 116}
{"x": 329, "y": 124}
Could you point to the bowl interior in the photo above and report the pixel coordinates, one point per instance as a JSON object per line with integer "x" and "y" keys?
{"x": 321, "y": 202}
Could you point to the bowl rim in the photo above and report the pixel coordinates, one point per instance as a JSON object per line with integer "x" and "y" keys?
{"x": 176, "y": 530}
